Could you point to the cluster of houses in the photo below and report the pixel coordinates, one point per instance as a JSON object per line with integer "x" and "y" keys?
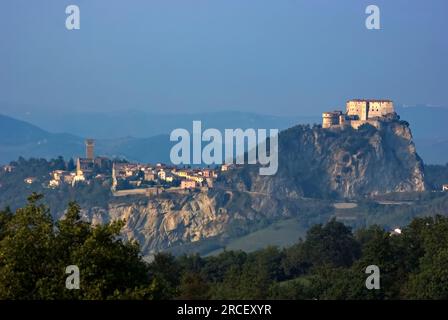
{"x": 132, "y": 176}
{"x": 129, "y": 178}
{"x": 86, "y": 170}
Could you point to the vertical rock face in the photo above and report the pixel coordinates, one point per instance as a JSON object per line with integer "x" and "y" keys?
{"x": 382, "y": 161}
{"x": 340, "y": 163}
{"x": 163, "y": 222}
{"x": 313, "y": 162}
{"x": 168, "y": 221}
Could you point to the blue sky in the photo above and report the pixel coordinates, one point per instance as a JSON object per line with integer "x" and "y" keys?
{"x": 282, "y": 57}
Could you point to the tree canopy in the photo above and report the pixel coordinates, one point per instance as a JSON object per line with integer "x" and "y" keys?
{"x": 329, "y": 264}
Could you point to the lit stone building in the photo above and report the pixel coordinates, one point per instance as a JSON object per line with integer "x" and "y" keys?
{"x": 84, "y": 167}
{"x": 359, "y": 112}
{"x": 330, "y": 118}
{"x": 8, "y": 168}
{"x": 161, "y": 174}
{"x": 188, "y": 184}
{"x": 30, "y": 180}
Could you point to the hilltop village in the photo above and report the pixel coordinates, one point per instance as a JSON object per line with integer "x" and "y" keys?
{"x": 126, "y": 178}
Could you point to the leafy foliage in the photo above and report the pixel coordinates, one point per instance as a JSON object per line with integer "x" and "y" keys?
{"x": 35, "y": 251}
{"x": 329, "y": 264}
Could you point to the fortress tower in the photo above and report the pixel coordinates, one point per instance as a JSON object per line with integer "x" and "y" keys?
{"x": 90, "y": 145}
{"x": 330, "y": 118}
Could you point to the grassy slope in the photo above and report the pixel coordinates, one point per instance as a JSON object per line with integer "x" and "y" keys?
{"x": 282, "y": 233}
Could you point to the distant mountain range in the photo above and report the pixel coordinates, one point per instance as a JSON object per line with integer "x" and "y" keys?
{"x": 19, "y": 138}
{"x": 140, "y": 124}
{"x": 116, "y": 136}
{"x": 144, "y": 137}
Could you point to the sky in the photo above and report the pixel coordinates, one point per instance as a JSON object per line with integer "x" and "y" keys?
{"x": 278, "y": 57}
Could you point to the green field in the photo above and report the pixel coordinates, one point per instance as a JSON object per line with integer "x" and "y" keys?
{"x": 282, "y": 233}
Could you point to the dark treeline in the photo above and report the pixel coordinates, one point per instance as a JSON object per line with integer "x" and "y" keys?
{"x": 329, "y": 264}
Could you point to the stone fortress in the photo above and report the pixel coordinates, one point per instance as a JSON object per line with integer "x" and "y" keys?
{"x": 359, "y": 112}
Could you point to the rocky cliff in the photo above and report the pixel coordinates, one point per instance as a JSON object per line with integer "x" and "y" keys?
{"x": 339, "y": 163}
{"x": 313, "y": 163}
{"x": 174, "y": 220}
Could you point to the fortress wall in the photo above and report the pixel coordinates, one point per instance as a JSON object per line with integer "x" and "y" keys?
{"x": 357, "y": 108}
{"x": 134, "y": 192}
{"x": 380, "y": 108}
{"x": 366, "y": 109}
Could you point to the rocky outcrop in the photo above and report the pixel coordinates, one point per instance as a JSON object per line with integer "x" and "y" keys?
{"x": 173, "y": 220}
{"x": 340, "y": 163}
{"x": 313, "y": 163}
{"x": 163, "y": 222}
